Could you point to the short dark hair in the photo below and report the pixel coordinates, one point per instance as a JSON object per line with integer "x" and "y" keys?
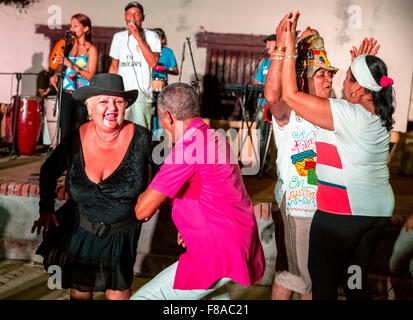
{"x": 134, "y": 4}
{"x": 160, "y": 32}
{"x": 180, "y": 100}
{"x": 271, "y": 37}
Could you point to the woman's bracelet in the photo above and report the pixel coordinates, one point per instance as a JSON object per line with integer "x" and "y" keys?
{"x": 280, "y": 49}
{"x": 292, "y": 56}
{"x": 277, "y": 55}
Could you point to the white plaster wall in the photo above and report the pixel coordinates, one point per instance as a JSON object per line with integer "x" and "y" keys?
{"x": 389, "y": 21}
{"x": 411, "y": 103}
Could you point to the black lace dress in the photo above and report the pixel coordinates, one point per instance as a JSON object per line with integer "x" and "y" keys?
{"x": 88, "y": 262}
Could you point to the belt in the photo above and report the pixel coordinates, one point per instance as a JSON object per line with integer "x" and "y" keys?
{"x": 101, "y": 229}
{"x": 69, "y": 91}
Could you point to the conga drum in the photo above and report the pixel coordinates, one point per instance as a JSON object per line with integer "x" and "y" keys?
{"x": 29, "y": 122}
{"x": 51, "y": 119}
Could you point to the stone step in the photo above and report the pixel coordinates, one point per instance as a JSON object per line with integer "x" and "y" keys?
{"x": 22, "y": 278}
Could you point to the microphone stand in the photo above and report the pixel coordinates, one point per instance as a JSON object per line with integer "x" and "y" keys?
{"x": 262, "y": 121}
{"x": 14, "y": 149}
{"x": 182, "y": 61}
{"x": 244, "y": 101}
{"x": 58, "y": 101}
{"x": 250, "y": 81}
{"x": 194, "y": 83}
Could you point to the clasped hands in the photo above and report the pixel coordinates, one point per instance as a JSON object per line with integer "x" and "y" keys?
{"x": 287, "y": 34}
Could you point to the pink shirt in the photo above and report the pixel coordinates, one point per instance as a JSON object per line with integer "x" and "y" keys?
{"x": 211, "y": 210}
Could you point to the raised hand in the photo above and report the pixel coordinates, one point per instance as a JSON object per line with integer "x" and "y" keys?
{"x": 291, "y": 33}
{"x": 367, "y": 46}
{"x": 294, "y": 19}
{"x": 281, "y": 30}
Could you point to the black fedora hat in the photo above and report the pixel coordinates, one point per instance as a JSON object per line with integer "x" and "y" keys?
{"x": 105, "y": 84}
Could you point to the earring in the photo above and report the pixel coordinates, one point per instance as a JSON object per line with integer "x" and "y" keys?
{"x": 89, "y": 116}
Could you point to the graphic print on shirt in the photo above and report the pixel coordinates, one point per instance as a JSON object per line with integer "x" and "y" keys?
{"x": 72, "y": 81}
{"x": 129, "y": 60}
{"x": 302, "y": 184}
{"x": 332, "y": 196}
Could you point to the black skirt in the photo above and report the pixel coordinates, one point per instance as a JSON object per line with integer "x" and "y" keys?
{"x": 89, "y": 263}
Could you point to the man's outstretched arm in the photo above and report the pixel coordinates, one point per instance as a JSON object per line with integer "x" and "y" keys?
{"x": 148, "y": 202}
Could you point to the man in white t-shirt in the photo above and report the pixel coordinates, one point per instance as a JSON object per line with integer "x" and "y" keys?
{"x": 134, "y": 53}
{"x": 296, "y": 187}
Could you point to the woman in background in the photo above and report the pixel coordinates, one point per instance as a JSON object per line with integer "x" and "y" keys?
{"x": 81, "y": 64}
